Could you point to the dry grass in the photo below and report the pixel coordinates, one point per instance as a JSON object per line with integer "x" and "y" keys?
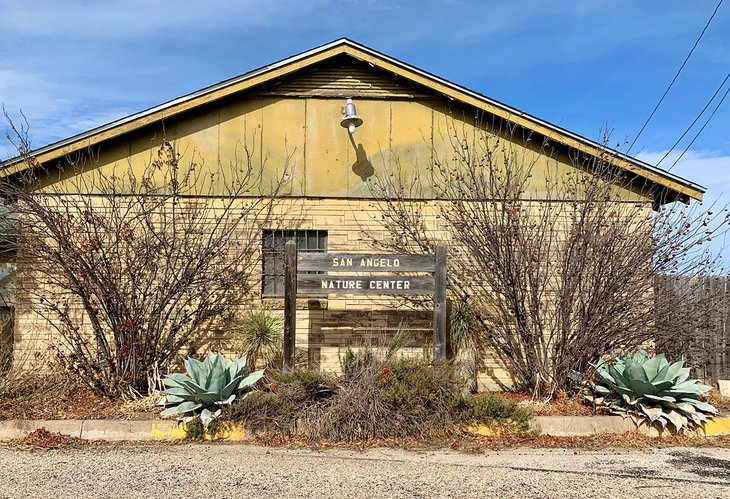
{"x": 388, "y": 400}
{"x": 721, "y": 403}
{"x": 560, "y": 405}
{"x": 34, "y": 386}
{"x": 468, "y": 443}
{"x": 53, "y": 396}
{"x": 631, "y": 440}
{"x": 378, "y": 397}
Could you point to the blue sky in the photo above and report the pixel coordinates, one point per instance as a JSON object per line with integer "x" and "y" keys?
{"x": 585, "y": 66}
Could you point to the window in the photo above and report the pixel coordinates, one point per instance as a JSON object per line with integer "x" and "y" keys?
{"x": 273, "y": 254}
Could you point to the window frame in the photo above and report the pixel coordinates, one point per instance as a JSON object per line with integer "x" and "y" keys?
{"x": 273, "y": 242}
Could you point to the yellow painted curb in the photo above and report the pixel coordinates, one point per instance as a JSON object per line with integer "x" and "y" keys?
{"x": 490, "y": 430}
{"x": 234, "y": 432}
{"x": 481, "y": 429}
{"x": 166, "y": 431}
{"x": 717, "y": 426}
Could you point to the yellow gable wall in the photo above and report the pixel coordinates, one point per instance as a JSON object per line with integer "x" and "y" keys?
{"x": 304, "y": 134}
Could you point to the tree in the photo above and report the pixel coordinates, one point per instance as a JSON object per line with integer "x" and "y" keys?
{"x": 556, "y": 264}
{"x": 130, "y": 266}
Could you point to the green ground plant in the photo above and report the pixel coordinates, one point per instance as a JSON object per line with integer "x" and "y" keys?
{"x": 261, "y": 335}
{"x": 208, "y": 387}
{"x": 651, "y": 390}
{"x": 489, "y": 408}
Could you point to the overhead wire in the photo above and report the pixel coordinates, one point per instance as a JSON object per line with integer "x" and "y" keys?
{"x": 701, "y": 129}
{"x": 671, "y": 84}
{"x": 697, "y": 118}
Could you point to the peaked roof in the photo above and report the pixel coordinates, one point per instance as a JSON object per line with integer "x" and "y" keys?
{"x": 684, "y": 189}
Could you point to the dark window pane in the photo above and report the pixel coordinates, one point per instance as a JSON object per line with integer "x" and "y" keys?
{"x": 273, "y": 254}
{"x": 269, "y": 285}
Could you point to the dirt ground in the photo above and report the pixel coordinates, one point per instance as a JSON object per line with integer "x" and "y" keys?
{"x": 76, "y": 403}
{"x": 235, "y": 470}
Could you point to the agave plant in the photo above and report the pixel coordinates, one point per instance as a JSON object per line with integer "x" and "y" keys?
{"x": 650, "y": 389}
{"x": 208, "y": 387}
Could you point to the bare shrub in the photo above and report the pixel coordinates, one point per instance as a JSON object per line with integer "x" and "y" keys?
{"x": 30, "y": 373}
{"x": 131, "y": 265}
{"x": 557, "y": 264}
{"x": 6, "y": 341}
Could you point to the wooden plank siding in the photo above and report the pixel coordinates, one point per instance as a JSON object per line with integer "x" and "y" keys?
{"x": 301, "y": 131}
{"x": 301, "y": 66}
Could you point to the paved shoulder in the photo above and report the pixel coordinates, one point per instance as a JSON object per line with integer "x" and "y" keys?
{"x": 214, "y": 470}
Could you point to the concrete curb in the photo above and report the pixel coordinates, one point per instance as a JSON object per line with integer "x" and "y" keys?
{"x": 114, "y": 430}
{"x": 580, "y": 426}
{"x": 718, "y": 426}
{"x": 20, "y": 428}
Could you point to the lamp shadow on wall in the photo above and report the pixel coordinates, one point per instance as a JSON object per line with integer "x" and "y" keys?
{"x": 362, "y": 167}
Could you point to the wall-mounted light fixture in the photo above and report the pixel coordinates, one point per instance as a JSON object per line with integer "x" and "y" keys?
{"x": 350, "y": 120}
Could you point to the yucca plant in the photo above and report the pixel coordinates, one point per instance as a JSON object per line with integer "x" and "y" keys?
{"x": 651, "y": 390}
{"x": 465, "y": 341}
{"x": 209, "y": 386}
{"x": 261, "y": 335}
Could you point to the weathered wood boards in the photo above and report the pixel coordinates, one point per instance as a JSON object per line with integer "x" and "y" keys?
{"x": 339, "y": 274}
{"x": 356, "y": 262}
{"x": 290, "y": 303}
{"x": 364, "y": 285}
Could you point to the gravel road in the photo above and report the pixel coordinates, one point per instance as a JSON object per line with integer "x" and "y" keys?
{"x": 228, "y": 470}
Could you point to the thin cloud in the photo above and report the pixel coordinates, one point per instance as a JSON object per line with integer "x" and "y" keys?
{"x": 17, "y": 85}
{"x": 130, "y": 19}
{"x": 708, "y": 168}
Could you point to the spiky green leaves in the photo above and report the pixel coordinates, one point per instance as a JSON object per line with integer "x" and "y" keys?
{"x": 650, "y": 389}
{"x": 208, "y": 386}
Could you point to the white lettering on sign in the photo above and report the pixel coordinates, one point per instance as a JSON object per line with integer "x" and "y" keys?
{"x": 390, "y": 284}
{"x": 380, "y": 262}
{"x": 326, "y": 284}
{"x": 342, "y": 262}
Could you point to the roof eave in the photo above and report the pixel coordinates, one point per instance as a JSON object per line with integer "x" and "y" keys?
{"x": 285, "y": 66}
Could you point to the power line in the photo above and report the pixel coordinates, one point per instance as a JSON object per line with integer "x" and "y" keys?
{"x": 675, "y": 76}
{"x": 701, "y": 129}
{"x": 697, "y": 118}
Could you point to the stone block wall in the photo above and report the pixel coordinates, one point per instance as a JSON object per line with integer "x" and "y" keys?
{"x": 326, "y": 325}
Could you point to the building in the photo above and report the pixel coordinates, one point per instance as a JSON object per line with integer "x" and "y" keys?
{"x": 289, "y": 113}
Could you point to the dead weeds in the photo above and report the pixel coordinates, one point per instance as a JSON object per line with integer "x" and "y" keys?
{"x": 468, "y": 443}
{"x": 721, "y": 403}
{"x": 560, "y": 405}
{"x": 74, "y": 402}
{"x": 44, "y": 440}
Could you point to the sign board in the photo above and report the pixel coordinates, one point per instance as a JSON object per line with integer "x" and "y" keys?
{"x": 340, "y": 273}
{"x": 364, "y": 285}
{"x": 360, "y": 262}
